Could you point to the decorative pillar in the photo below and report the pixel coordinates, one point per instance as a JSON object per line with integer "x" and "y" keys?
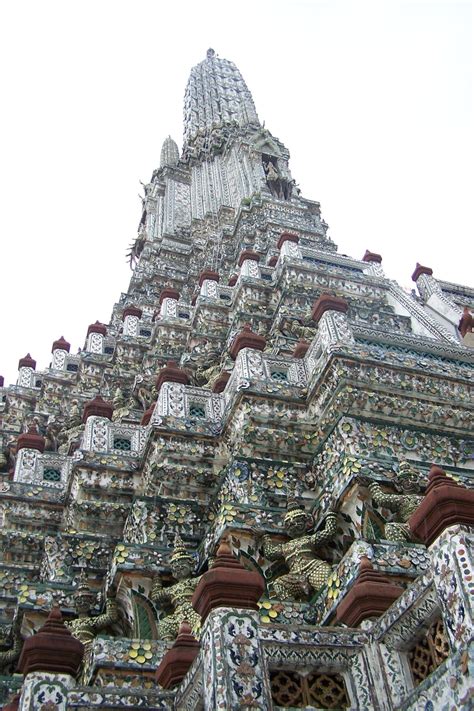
{"x": 374, "y": 263}
{"x": 330, "y": 313}
{"x": 208, "y": 281}
{"x": 96, "y": 333}
{"x": 287, "y": 237}
{"x": 60, "y": 350}
{"x": 248, "y": 263}
{"x": 428, "y": 288}
{"x": 290, "y": 249}
{"x": 246, "y": 349}
{"x": 131, "y": 317}
{"x": 29, "y": 446}
{"x": 96, "y": 416}
{"x": 233, "y": 658}
{"x": 98, "y": 407}
{"x": 170, "y": 384}
{"x": 426, "y": 283}
{"x": 169, "y": 298}
{"x": 246, "y": 338}
{"x": 26, "y": 371}
{"x": 432, "y": 294}
{"x": 50, "y": 661}
{"x": 171, "y": 373}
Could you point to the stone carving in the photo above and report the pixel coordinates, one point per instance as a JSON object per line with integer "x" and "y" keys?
{"x": 54, "y": 554}
{"x": 307, "y": 572}
{"x": 8, "y": 457}
{"x": 179, "y": 594}
{"x": 135, "y": 529}
{"x": 402, "y": 504}
{"x": 466, "y": 324}
{"x": 12, "y": 652}
{"x": 85, "y": 627}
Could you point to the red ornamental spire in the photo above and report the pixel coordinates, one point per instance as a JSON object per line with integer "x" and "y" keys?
{"x": 27, "y": 362}
{"x": 61, "y": 344}
{"x": 370, "y": 595}
{"x": 466, "y": 324}
{"x": 246, "y": 339}
{"x": 445, "y": 504}
{"x": 14, "y": 704}
{"x": 248, "y": 254}
{"x": 301, "y": 348}
{"x": 419, "y": 270}
{"x": 52, "y": 649}
{"x": 227, "y": 584}
{"x": 287, "y": 237}
{"x": 175, "y": 664}
{"x": 208, "y": 274}
{"x": 372, "y": 257}
{"x": 30, "y": 440}
{"x": 171, "y": 373}
{"x": 168, "y": 293}
{"x": 99, "y": 407}
{"x": 97, "y": 327}
{"x": 131, "y": 311}
{"x": 221, "y": 382}
{"x": 328, "y": 302}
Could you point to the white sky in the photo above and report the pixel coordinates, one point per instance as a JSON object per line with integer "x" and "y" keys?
{"x": 373, "y": 100}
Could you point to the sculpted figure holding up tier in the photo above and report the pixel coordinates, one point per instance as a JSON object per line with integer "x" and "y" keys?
{"x": 74, "y": 416}
{"x": 85, "y": 627}
{"x": 273, "y": 179}
{"x": 179, "y": 594}
{"x": 308, "y": 573}
{"x": 402, "y": 504}
{"x": 10, "y": 655}
{"x": 8, "y": 457}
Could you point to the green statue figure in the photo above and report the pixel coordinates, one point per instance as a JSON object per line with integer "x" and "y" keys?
{"x": 85, "y": 627}
{"x": 307, "y": 571}
{"x": 179, "y": 594}
{"x": 402, "y": 504}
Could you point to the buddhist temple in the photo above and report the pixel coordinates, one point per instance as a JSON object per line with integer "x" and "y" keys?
{"x": 252, "y": 487}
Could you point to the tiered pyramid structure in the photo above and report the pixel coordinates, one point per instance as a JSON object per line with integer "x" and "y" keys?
{"x": 252, "y": 488}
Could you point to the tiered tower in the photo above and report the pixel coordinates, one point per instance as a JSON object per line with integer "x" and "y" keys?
{"x": 251, "y": 488}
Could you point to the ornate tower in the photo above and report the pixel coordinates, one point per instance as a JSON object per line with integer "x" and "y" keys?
{"x": 256, "y": 478}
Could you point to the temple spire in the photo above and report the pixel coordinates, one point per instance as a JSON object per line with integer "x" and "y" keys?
{"x": 169, "y": 153}
{"x": 216, "y": 93}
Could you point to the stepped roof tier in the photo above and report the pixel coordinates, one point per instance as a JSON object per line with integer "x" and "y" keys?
{"x": 260, "y": 413}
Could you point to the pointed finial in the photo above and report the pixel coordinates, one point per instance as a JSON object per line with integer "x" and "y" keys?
{"x": 169, "y": 153}
{"x": 179, "y": 550}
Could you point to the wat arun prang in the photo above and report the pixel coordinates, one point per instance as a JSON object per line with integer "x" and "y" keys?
{"x": 251, "y": 489}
